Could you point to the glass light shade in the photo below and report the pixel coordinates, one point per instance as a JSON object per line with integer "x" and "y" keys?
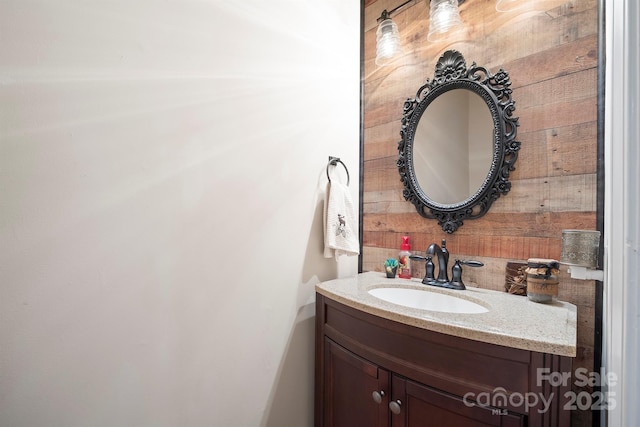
{"x": 508, "y": 5}
{"x": 387, "y": 42}
{"x": 444, "y": 18}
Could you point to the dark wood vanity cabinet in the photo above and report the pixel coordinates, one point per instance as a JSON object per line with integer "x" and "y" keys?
{"x": 424, "y": 406}
{"x": 350, "y": 386}
{"x": 376, "y": 372}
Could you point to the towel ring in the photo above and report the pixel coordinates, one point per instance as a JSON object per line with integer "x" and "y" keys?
{"x": 333, "y": 161}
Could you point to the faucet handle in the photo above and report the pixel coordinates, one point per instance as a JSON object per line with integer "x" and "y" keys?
{"x": 456, "y": 273}
{"x": 429, "y": 267}
{"x": 471, "y": 263}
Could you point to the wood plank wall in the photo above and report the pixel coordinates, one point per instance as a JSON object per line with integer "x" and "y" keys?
{"x": 549, "y": 48}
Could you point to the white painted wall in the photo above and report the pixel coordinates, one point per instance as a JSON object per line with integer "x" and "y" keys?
{"x": 161, "y": 173}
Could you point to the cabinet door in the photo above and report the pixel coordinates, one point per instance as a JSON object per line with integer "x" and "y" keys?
{"x": 350, "y": 384}
{"x": 422, "y": 406}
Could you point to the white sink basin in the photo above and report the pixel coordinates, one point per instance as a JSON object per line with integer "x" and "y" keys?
{"x": 426, "y": 300}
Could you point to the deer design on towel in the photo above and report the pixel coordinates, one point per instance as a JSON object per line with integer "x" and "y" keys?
{"x": 341, "y": 226}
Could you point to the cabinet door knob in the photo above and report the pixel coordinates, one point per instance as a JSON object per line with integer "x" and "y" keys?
{"x": 395, "y": 406}
{"x": 377, "y": 396}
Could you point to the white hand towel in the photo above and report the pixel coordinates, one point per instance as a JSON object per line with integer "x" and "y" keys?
{"x": 340, "y": 224}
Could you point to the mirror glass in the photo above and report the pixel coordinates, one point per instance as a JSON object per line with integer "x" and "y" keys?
{"x": 458, "y": 142}
{"x": 452, "y": 153}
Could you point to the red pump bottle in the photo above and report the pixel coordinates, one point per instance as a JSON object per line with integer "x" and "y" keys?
{"x": 404, "y": 269}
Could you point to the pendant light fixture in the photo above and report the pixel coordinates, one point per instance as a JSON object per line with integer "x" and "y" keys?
{"x": 387, "y": 40}
{"x": 444, "y": 19}
{"x": 388, "y": 37}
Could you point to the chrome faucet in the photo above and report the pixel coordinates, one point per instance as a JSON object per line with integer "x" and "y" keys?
{"x": 443, "y": 260}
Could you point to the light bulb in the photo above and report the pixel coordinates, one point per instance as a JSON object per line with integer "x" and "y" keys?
{"x": 387, "y": 42}
{"x": 444, "y": 17}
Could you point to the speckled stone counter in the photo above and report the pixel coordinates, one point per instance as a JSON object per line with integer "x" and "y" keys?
{"x": 511, "y": 321}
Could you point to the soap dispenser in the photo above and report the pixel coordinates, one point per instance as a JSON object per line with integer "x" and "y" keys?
{"x": 404, "y": 269}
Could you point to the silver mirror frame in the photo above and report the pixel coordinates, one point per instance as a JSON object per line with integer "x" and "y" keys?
{"x": 451, "y": 72}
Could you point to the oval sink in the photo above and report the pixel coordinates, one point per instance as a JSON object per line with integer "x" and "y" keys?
{"x": 425, "y": 300}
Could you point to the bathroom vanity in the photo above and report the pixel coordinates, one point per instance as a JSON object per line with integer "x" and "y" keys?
{"x": 495, "y": 360}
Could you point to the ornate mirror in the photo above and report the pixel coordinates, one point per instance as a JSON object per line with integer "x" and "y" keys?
{"x": 458, "y": 142}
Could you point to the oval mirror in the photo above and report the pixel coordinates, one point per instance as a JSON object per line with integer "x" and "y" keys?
{"x": 458, "y": 142}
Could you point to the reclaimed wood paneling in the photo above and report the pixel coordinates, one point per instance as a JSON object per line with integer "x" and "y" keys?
{"x": 550, "y": 50}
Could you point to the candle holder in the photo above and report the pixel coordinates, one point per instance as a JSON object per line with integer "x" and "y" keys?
{"x": 580, "y": 249}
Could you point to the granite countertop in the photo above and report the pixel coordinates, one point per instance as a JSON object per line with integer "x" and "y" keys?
{"x": 512, "y": 321}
